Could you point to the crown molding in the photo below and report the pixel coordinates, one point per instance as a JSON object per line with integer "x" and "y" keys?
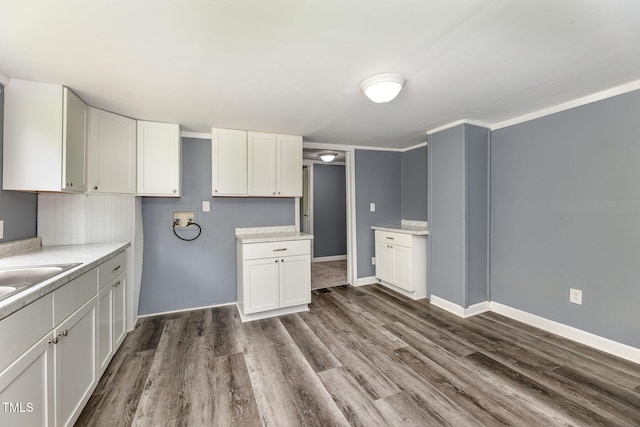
{"x": 578, "y": 102}
{"x": 196, "y": 135}
{"x": 457, "y": 123}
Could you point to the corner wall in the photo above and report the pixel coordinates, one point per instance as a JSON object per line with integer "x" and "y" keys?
{"x": 181, "y": 275}
{"x": 565, "y": 209}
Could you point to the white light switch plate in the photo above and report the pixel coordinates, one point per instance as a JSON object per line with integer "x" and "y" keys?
{"x": 372, "y": 207}
{"x": 206, "y": 206}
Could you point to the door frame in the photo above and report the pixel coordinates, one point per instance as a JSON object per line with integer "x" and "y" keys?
{"x": 350, "y": 179}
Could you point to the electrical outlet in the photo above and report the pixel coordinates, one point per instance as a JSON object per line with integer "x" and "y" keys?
{"x": 575, "y": 296}
{"x": 206, "y": 206}
{"x": 373, "y": 260}
{"x": 372, "y": 207}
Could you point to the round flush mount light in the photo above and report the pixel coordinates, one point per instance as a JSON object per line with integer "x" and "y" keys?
{"x": 328, "y": 157}
{"x": 383, "y": 88}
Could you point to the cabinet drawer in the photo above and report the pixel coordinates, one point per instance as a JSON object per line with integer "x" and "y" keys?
{"x": 71, "y": 296}
{"x": 276, "y": 249}
{"x": 110, "y": 269}
{"x": 24, "y": 328}
{"x": 393, "y": 238}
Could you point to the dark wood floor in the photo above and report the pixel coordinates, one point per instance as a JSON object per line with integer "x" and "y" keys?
{"x": 361, "y": 356}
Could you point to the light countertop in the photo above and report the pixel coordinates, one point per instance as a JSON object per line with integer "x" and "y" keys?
{"x": 416, "y": 228}
{"x": 90, "y": 256}
{"x": 270, "y": 234}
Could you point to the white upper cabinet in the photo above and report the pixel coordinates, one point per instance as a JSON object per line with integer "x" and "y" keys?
{"x": 159, "y": 159}
{"x": 274, "y": 165}
{"x": 112, "y": 153}
{"x": 45, "y": 138}
{"x": 289, "y": 169}
{"x": 229, "y": 162}
{"x": 262, "y": 164}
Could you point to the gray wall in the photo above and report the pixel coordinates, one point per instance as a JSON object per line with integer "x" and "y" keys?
{"x": 378, "y": 179}
{"x": 18, "y": 210}
{"x": 178, "y": 275}
{"x": 458, "y": 201}
{"x": 329, "y": 210}
{"x": 446, "y": 214}
{"x": 414, "y": 184}
{"x": 565, "y": 205}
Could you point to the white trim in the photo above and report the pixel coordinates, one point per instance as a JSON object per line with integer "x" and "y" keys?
{"x": 197, "y": 135}
{"x": 296, "y": 206}
{"x": 604, "y": 344}
{"x": 413, "y": 147}
{"x": 4, "y": 79}
{"x": 184, "y": 310}
{"x": 352, "y": 237}
{"x": 329, "y": 258}
{"x": 446, "y": 305}
{"x": 459, "y": 311}
{"x": 478, "y": 308}
{"x": 272, "y": 313}
{"x": 320, "y": 162}
{"x": 598, "y": 96}
{"x": 340, "y": 147}
{"x": 366, "y": 281}
{"x": 457, "y": 123}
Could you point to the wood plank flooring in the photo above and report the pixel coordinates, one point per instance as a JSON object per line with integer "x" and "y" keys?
{"x": 363, "y": 357}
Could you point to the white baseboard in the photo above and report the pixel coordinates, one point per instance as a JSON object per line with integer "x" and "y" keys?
{"x": 600, "y": 343}
{"x": 272, "y": 313}
{"x": 186, "y": 309}
{"x": 459, "y": 311}
{"x": 604, "y": 344}
{"x": 329, "y": 258}
{"x": 366, "y": 281}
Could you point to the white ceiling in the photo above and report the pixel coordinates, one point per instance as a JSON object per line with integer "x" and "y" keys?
{"x": 294, "y": 66}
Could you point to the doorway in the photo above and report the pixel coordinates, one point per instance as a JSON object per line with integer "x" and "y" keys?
{"x": 323, "y": 213}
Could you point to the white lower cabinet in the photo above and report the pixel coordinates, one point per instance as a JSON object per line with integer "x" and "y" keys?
{"x": 111, "y": 321}
{"x": 75, "y": 362}
{"x": 401, "y": 262}
{"x": 60, "y": 345}
{"x": 274, "y": 278}
{"x": 27, "y": 387}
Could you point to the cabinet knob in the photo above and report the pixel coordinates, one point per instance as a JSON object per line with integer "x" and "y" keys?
{"x": 175, "y": 191}
{"x": 278, "y": 192}
{"x": 274, "y": 193}
{"x": 63, "y": 333}
{"x": 215, "y": 191}
{"x": 276, "y": 260}
{"x": 95, "y": 187}
{"x": 117, "y": 283}
{"x": 71, "y": 184}
{"x": 53, "y": 340}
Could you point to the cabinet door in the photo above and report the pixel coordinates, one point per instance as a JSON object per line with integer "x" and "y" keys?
{"x": 105, "y": 328}
{"x": 119, "y": 304}
{"x": 384, "y": 261}
{"x": 262, "y": 164}
{"x": 26, "y": 388}
{"x": 112, "y": 153}
{"x": 289, "y": 166}
{"x": 75, "y": 363}
{"x": 74, "y": 142}
{"x": 261, "y": 288}
{"x": 295, "y": 280}
{"x": 228, "y": 162}
{"x": 402, "y": 268}
{"x": 159, "y": 159}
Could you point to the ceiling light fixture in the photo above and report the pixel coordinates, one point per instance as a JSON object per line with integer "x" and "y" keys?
{"x": 328, "y": 157}
{"x": 383, "y": 87}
